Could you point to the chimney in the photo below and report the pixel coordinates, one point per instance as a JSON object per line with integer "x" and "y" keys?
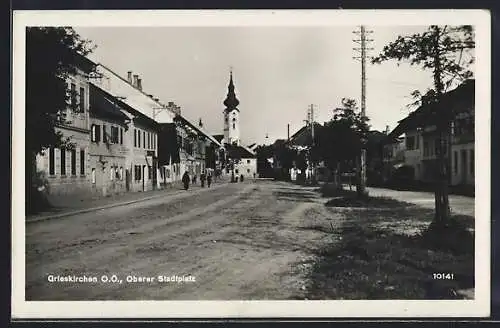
{"x": 136, "y": 77}
{"x": 170, "y": 104}
{"x": 129, "y": 77}
{"x": 139, "y": 84}
{"x": 387, "y": 129}
{"x": 200, "y": 123}
{"x": 156, "y": 99}
{"x": 288, "y": 132}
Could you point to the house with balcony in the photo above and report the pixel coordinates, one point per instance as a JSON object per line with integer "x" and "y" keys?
{"x": 66, "y": 170}
{"x": 421, "y": 135}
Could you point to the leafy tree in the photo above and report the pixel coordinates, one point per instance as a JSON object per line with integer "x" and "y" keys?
{"x": 342, "y": 138}
{"x": 52, "y": 55}
{"x": 441, "y": 50}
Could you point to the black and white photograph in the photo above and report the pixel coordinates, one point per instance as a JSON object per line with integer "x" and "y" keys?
{"x": 258, "y": 163}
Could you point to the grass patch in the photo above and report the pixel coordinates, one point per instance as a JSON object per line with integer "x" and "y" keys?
{"x": 351, "y": 200}
{"x": 335, "y": 190}
{"x": 375, "y": 259}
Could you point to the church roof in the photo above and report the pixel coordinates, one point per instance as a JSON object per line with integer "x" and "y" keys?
{"x": 231, "y": 101}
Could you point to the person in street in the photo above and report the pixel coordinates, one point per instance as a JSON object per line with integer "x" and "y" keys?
{"x": 209, "y": 178}
{"x": 202, "y": 179}
{"x": 194, "y": 179}
{"x": 241, "y": 178}
{"x": 186, "y": 180}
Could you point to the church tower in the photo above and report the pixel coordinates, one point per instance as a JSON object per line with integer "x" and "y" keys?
{"x": 231, "y": 115}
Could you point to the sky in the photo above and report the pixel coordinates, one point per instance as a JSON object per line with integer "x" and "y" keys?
{"x": 278, "y": 72}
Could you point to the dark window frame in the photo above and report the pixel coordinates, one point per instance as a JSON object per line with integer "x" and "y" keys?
{"x": 73, "y": 162}
{"x": 52, "y": 161}
{"x": 62, "y": 160}
{"x": 81, "y": 102}
{"x": 82, "y": 161}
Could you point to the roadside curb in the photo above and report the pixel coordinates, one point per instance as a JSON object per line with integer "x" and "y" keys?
{"x": 97, "y": 208}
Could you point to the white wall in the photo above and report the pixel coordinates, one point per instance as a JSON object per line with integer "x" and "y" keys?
{"x": 232, "y": 135}
{"x": 461, "y": 174}
{"x": 247, "y": 167}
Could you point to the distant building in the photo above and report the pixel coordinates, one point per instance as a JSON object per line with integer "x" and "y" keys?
{"x": 233, "y": 157}
{"x": 421, "y": 134}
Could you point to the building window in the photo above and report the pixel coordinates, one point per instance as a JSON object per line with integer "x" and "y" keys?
{"x": 114, "y": 135}
{"x": 52, "y": 159}
{"x": 248, "y": 170}
{"x": 143, "y": 139}
{"x": 471, "y": 162}
{"x": 236, "y": 171}
{"x": 95, "y": 133}
{"x": 455, "y": 162}
{"x": 234, "y": 126}
{"x": 104, "y": 135}
{"x": 73, "y": 161}
{"x": 226, "y": 119}
{"x": 121, "y": 136}
{"x": 137, "y": 172}
{"x": 234, "y": 119}
{"x": 93, "y": 176}
{"x": 82, "y": 100}
{"x": 63, "y": 161}
{"x": 73, "y": 96}
{"x": 82, "y": 161}
{"x": 135, "y": 137}
{"x": 150, "y": 173}
{"x": 138, "y": 138}
{"x": 410, "y": 143}
{"x": 248, "y": 161}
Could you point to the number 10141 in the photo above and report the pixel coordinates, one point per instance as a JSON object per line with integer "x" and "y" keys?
{"x": 442, "y": 276}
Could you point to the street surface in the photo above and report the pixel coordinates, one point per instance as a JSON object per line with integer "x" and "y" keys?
{"x": 462, "y": 205}
{"x": 251, "y": 240}
{"x": 239, "y": 241}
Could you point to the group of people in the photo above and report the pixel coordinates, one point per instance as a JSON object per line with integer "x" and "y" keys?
{"x": 204, "y": 176}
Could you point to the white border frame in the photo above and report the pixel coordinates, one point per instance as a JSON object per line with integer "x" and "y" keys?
{"x": 479, "y": 307}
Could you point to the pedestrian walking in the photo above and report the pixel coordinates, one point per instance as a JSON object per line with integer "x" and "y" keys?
{"x": 185, "y": 180}
{"x": 241, "y": 178}
{"x": 202, "y": 179}
{"x": 209, "y": 178}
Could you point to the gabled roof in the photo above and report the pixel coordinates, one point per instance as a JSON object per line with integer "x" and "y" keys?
{"x": 234, "y": 151}
{"x": 120, "y": 88}
{"x": 218, "y": 137}
{"x": 303, "y": 136}
{"x": 460, "y": 99}
{"x": 199, "y": 130}
{"x": 104, "y": 106}
{"x": 122, "y": 106}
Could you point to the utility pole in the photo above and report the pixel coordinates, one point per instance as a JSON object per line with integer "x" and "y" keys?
{"x": 310, "y": 121}
{"x": 362, "y": 49}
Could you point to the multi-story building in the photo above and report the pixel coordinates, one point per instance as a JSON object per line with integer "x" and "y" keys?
{"x": 66, "y": 170}
{"x": 421, "y": 135}
{"x": 123, "y": 146}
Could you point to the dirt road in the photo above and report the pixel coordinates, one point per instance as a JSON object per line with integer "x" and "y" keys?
{"x": 249, "y": 240}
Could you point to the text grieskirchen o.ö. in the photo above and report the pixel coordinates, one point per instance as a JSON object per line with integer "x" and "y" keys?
{"x": 113, "y": 278}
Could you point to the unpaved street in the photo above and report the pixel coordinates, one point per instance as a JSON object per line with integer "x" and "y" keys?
{"x": 247, "y": 240}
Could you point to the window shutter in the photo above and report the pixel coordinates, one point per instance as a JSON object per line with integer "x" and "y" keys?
{"x": 104, "y": 136}
{"x": 121, "y": 136}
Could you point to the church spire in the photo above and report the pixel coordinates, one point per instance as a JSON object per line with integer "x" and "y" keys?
{"x": 231, "y": 101}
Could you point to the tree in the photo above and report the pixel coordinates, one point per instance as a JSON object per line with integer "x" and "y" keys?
{"x": 441, "y": 50}
{"x": 342, "y": 138}
{"x": 52, "y": 55}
